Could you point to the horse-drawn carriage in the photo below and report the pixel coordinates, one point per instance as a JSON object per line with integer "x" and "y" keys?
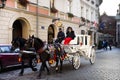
{"x": 80, "y": 46}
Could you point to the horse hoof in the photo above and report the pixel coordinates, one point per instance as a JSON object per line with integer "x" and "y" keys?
{"x": 56, "y": 68}
{"x": 35, "y": 69}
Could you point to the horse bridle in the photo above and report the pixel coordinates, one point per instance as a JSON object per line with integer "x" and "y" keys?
{"x": 30, "y": 42}
{"x": 33, "y": 42}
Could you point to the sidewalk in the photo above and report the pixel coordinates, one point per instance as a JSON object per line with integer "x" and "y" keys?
{"x": 102, "y": 50}
{"x": 99, "y": 51}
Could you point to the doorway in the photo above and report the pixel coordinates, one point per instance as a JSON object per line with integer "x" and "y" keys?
{"x": 51, "y": 34}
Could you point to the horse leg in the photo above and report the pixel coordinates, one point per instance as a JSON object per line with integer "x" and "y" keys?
{"x": 57, "y": 61}
{"x": 61, "y": 65}
{"x": 22, "y": 69}
{"x": 45, "y": 65}
{"x": 40, "y": 71}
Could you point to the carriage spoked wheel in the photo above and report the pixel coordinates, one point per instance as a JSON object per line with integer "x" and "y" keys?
{"x": 52, "y": 63}
{"x": 34, "y": 62}
{"x": 76, "y": 61}
{"x": 92, "y": 56}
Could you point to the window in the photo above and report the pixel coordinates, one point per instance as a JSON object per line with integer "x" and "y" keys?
{"x": 22, "y": 4}
{"x": 82, "y": 11}
{"x": 52, "y": 3}
{"x": 86, "y": 13}
{"x": 85, "y": 40}
{"x": 5, "y": 49}
{"x": 91, "y": 16}
{"x": 82, "y": 32}
{"x": 70, "y": 5}
{"x": 82, "y": 39}
{"x": 78, "y": 40}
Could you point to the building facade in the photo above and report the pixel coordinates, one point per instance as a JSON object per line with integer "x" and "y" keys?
{"x": 118, "y": 26}
{"x": 107, "y": 27}
{"x": 43, "y": 18}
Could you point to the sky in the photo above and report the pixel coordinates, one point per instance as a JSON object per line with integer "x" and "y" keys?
{"x": 110, "y": 7}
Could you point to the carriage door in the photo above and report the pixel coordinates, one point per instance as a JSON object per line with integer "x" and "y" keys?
{"x": 51, "y": 34}
{"x": 17, "y": 29}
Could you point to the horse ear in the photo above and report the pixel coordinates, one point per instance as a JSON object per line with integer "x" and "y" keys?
{"x": 29, "y": 36}
{"x": 32, "y": 36}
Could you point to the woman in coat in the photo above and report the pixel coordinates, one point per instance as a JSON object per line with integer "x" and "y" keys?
{"x": 70, "y": 35}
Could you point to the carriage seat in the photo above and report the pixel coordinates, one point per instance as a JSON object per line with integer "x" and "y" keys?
{"x": 72, "y": 42}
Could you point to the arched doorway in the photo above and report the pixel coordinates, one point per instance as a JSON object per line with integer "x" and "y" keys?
{"x": 20, "y": 28}
{"x": 51, "y": 34}
{"x": 17, "y": 29}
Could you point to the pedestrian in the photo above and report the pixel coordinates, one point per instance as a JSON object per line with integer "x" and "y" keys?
{"x": 60, "y": 36}
{"x": 105, "y": 44}
{"x": 110, "y": 45}
{"x": 116, "y": 44}
{"x": 70, "y": 35}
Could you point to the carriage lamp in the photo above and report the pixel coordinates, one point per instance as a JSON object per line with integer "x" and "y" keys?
{"x": 3, "y": 2}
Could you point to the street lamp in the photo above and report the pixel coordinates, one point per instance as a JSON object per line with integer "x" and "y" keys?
{"x": 3, "y": 2}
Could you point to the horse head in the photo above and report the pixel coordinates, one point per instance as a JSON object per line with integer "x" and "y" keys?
{"x": 34, "y": 42}
{"x": 18, "y": 43}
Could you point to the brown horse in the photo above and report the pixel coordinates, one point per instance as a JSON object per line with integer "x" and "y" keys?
{"x": 38, "y": 45}
{"x": 45, "y": 53}
{"x": 20, "y": 43}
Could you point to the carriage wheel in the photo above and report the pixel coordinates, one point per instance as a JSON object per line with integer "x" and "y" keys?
{"x": 76, "y": 61}
{"x": 34, "y": 62}
{"x": 52, "y": 63}
{"x": 93, "y": 56}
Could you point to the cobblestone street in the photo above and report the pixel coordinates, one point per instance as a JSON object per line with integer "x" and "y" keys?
{"x": 71, "y": 39}
{"x": 106, "y": 67}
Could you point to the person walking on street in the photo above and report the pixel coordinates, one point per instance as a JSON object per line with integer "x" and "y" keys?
{"x": 60, "y": 36}
{"x": 110, "y": 45}
{"x": 70, "y": 35}
{"x": 105, "y": 44}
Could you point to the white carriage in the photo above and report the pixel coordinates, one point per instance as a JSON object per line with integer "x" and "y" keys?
{"x": 80, "y": 46}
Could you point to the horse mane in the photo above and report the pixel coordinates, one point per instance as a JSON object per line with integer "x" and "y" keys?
{"x": 38, "y": 43}
{"x": 21, "y": 41}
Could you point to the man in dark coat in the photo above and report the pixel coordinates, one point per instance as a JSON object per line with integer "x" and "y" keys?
{"x": 60, "y": 36}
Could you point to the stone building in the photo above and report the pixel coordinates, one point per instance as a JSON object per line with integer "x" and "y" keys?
{"x": 118, "y": 26}
{"x": 43, "y": 18}
{"x": 109, "y": 27}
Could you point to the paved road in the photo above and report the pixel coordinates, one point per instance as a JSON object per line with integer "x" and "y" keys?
{"x": 107, "y": 67}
